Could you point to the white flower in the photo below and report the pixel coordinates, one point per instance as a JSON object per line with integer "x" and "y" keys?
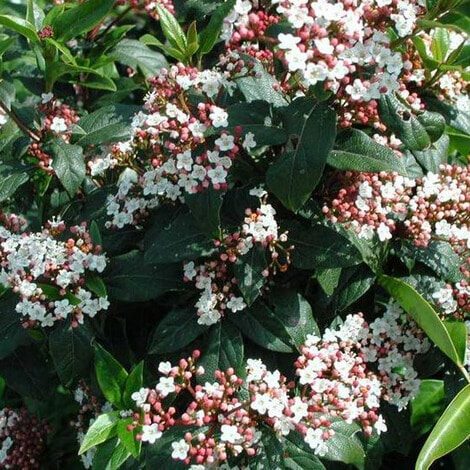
{"x": 230, "y": 434}
{"x": 218, "y": 117}
{"x": 249, "y": 141}
{"x": 324, "y": 46}
{"x": 380, "y": 425}
{"x": 288, "y": 41}
{"x": 314, "y": 438}
{"x": 236, "y": 304}
{"x": 184, "y": 161}
{"x": 217, "y": 175}
{"x": 165, "y": 386}
{"x": 384, "y": 232}
{"x": 140, "y": 397}
{"x": 58, "y": 125}
{"x": 255, "y": 369}
{"x": 150, "y": 433}
{"x": 180, "y": 449}
{"x": 46, "y": 97}
{"x": 225, "y": 142}
{"x": 299, "y": 408}
{"x": 164, "y": 368}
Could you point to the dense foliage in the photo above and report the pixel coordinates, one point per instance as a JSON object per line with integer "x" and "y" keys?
{"x": 234, "y": 234}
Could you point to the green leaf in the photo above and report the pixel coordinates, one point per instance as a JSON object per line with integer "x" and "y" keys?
{"x": 253, "y": 117}
{"x": 312, "y": 129}
{"x": 176, "y": 330}
{"x": 12, "y": 332}
{"x": 71, "y": 352}
{"x": 439, "y": 256}
{"x": 356, "y": 151}
{"x": 458, "y": 333}
{"x": 95, "y": 233}
{"x": 128, "y": 278}
{"x": 205, "y": 207}
{"x": 128, "y": 438}
{"x": 261, "y": 86}
{"x": 319, "y": 246}
{"x": 427, "y": 405}
{"x": 263, "y": 327}
{"x": 110, "y": 455}
{"x": 95, "y": 284}
{"x": 295, "y": 314}
{"x": 134, "y": 382}
{"x": 436, "y": 155}
{"x": 103, "y": 428}
{"x": 137, "y": 55}
{"x": 440, "y": 44}
{"x": 80, "y": 19}
{"x": 328, "y": 278}
{"x": 169, "y": 240}
{"x": 345, "y": 446}
{"x": 171, "y": 29}
{"x": 416, "y": 132}
{"x": 423, "y": 314}
{"x": 224, "y": 349}
{"x": 10, "y": 180}
{"x": 211, "y": 33}
{"x": 192, "y": 40}
{"x": 69, "y": 165}
{"x": 298, "y": 454}
{"x": 107, "y": 124}
{"x": 248, "y": 270}
{"x": 111, "y": 376}
{"x": 21, "y": 26}
{"x": 452, "y": 429}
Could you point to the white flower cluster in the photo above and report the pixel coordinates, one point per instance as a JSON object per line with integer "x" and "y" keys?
{"x": 35, "y": 263}
{"x": 170, "y": 146}
{"x": 7, "y": 421}
{"x": 333, "y": 40}
{"x": 213, "y": 278}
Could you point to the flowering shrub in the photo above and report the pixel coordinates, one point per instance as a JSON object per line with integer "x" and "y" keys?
{"x": 234, "y": 234}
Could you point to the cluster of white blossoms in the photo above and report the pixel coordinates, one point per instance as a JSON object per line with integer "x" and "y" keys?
{"x": 177, "y": 146}
{"x": 49, "y": 275}
{"x": 344, "y": 375}
{"x": 433, "y": 207}
{"x": 215, "y": 278}
{"x": 342, "y": 42}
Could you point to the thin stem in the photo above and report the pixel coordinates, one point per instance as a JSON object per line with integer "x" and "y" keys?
{"x": 116, "y": 20}
{"x": 28, "y": 132}
{"x": 465, "y": 373}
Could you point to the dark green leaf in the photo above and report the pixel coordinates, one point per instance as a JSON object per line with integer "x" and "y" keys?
{"x": 110, "y": 455}
{"x": 248, "y": 270}
{"x": 452, "y": 429}
{"x": 80, "y": 19}
{"x": 211, "y": 34}
{"x": 71, "y": 351}
{"x": 355, "y": 150}
{"x": 205, "y": 207}
{"x": 69, "y": 165}
{"x": 134, "y": 382}
{"x": 103, "y": 428}
{"x": 111, "y": 376}
{"x": 427, "y": 405}
{"x": 319, "y": 246}
{"x": 21, "y": 26}
{"x": 177, "y": 239}
{"x": 12, "y": 333}
{"x": 129, "y": 279}
{"x": 137, "y": 55}
{"x": 224, "y": 349}
{"x": 263, "y": 327}
{"x": 312, "y": 130}
{"x": 10, "y": 180}
{"x": 176, "y": 330}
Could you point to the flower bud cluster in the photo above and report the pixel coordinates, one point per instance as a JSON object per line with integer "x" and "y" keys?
{"x": 386, "y": 204}
{"x": 149, "y": 6}
{"x": 344, "y": 375}
{"x": 22, "y": 439}
{"x": 178, "y": 146}
{"x": 215, "y": 277}
{"x": 49, "y": 273}
{"x": 57, "y": 121}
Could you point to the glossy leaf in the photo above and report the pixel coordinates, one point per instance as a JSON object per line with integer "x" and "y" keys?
{"x": 103, "y": 428}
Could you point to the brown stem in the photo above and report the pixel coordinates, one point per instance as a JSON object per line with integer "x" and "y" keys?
{"x": 28, "y": 132}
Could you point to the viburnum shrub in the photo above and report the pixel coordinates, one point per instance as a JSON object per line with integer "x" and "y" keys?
{"x": 234, "y": 234}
